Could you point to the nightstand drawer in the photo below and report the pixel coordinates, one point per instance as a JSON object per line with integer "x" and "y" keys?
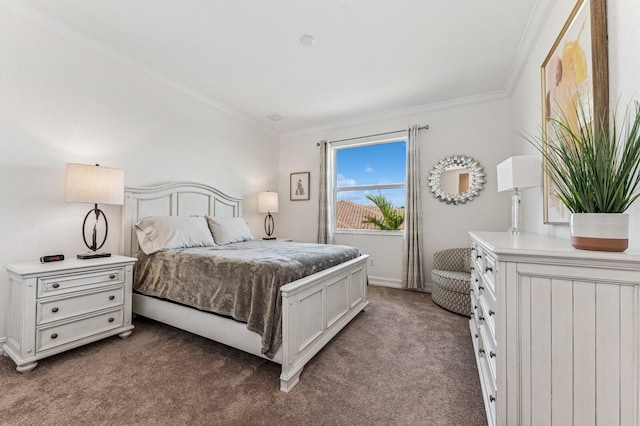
{"x": 52, "y": 285}
{"x": 57, "y": 309}
{"x": 50, "y": 337}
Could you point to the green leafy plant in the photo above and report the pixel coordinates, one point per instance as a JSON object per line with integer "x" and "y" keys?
{"x": 594, "y": 170}
{"x": 392, "y": 218}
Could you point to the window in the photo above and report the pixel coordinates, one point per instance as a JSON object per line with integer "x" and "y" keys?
{"x": 369, "y": 182}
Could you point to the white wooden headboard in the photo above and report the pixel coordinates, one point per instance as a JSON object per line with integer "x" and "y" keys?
{"x": 172, "y": 199}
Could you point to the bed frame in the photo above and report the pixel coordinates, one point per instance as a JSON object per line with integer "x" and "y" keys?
{"x": 314, "y": 308}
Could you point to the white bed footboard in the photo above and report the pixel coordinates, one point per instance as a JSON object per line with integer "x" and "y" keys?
{"x": 315, "y": 309}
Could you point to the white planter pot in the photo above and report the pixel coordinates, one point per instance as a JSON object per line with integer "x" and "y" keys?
{"x": 600, "y": 231}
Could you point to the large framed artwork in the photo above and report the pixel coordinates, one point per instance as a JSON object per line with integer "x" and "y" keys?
{"x": 575, "y": 84}
{"x": 299, "y": 186}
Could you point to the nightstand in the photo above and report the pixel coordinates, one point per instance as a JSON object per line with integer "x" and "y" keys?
{"x": 57, "y": 306}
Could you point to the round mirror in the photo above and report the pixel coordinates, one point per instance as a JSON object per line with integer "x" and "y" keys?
{"x": 457, "y": 179}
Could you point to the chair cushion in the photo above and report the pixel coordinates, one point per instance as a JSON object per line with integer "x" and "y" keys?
{"x": 460, "y": 282}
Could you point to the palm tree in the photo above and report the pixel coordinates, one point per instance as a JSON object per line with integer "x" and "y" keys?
{"x": 392, "y": 218}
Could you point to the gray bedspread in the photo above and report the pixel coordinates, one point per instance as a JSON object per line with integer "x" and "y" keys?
{"x": 239, "y": 280}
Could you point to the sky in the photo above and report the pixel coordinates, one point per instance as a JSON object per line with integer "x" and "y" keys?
{"x": 372, "y": 165}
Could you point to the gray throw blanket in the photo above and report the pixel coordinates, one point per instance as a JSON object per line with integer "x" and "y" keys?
{"x": 239, "y": 280}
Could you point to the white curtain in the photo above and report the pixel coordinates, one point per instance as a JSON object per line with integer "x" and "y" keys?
{"x": 412, "y": 274}
{"x": 323, "y": 198}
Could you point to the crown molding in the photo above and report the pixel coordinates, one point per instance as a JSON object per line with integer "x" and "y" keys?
{"x": 347, "y": 121}
{"x": 59, "y": 29}
{"x": 537, "y": 20}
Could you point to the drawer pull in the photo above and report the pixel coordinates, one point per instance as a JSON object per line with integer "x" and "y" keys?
{"x": 488, "y": 268}
{"x": 113, "y": 297}
{"x": 54, "y": 335}
{"x": 492, "y": 354}
{"x": 55, "y": 285}
{"x": 477, "y": 279}
{"x": 475, "y": 306}
{"x": 480, "y": 288}
{"x": 492, "y": 398}
{"x": 481, "y": 352}
{"x": 111, "y": 319}
{"x": 54, "y": 310}
{"x": 491, "y": 312}
{"x": 476, "y": 335}
{"x": 112, "y": 276}
{"x": 472, "y": 268}
{"x": 480, "y": 318}
{"x": 478, "y": 257}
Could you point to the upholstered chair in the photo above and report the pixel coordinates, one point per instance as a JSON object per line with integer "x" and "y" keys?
{"x": 451, "y": 276}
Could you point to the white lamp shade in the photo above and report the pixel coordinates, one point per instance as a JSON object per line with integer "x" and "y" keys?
{"x": 523, "y": 171}
{"x": 267, "y": 202}
{"x": 85, "y": 183}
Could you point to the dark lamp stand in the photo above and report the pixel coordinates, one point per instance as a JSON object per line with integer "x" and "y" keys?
{"x": 269, "y": 227}
{"x": 94, "y": 247}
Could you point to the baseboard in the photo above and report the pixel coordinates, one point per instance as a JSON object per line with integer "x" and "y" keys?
{"x": 394, "y": 283}
{"x": 3, "y": 340}
{"x": 385, "y": 282}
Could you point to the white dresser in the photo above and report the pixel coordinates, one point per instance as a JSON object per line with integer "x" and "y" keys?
{"x": 556, "y": 331}
{"x": 57, "y": 306}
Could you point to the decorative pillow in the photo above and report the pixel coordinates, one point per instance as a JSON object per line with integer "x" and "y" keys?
{"x": 157, "y": 233}
{"x": 227, "y": 230}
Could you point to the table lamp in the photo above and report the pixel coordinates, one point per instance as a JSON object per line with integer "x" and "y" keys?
{"x": 515, "y": 174}
{"x": 268, "y": 203}
{"x": 86, "y": 183}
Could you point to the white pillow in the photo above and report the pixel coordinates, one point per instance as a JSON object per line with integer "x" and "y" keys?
{"x": 157, "y": 233}
{"x": 227, "y": 230}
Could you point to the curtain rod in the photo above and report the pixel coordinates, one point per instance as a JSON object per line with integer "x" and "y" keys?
{"x": 425, "y": 127}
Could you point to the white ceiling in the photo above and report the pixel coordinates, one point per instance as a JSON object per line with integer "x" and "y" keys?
{"x": 370, "y": 58}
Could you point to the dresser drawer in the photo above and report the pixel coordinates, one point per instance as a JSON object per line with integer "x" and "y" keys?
{"x": 53, "y": 310}
{"x": 488, "y": 319}
{"x": 490, "y": 353}
{"x": 60, "y": 284}
{"x": 57, "y": 335}
{"x": 489, "y": 270}
{"x": 476, "y": 259}
{"x": 476, "y": 311}
{"x": 488, "y": 389}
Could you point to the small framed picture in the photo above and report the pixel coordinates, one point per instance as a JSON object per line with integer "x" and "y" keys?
{"x": 299, "y": 186}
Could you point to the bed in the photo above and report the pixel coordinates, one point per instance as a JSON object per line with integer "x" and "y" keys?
{"x": 314, "y": 308}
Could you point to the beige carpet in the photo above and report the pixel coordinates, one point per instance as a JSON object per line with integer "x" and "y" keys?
{"x": 403, "y": 362}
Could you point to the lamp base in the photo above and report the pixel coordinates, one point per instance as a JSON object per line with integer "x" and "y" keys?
{"x": 516, "y": 216}
{"x": 93, "y": 255}
{"x": 269, "y": 238}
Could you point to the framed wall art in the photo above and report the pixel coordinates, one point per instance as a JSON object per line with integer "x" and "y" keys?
{"x": 575, "y": 85}
{"x": 299, "y": 186}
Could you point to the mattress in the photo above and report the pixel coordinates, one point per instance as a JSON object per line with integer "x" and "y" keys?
{"x": 238, "y": 280}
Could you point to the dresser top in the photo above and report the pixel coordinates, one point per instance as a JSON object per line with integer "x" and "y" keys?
{"x": 29, "y": 268}
{"x": 530, "y": 244}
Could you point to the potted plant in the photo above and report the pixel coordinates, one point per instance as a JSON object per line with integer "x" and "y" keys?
{"x": 596, "y": 172}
